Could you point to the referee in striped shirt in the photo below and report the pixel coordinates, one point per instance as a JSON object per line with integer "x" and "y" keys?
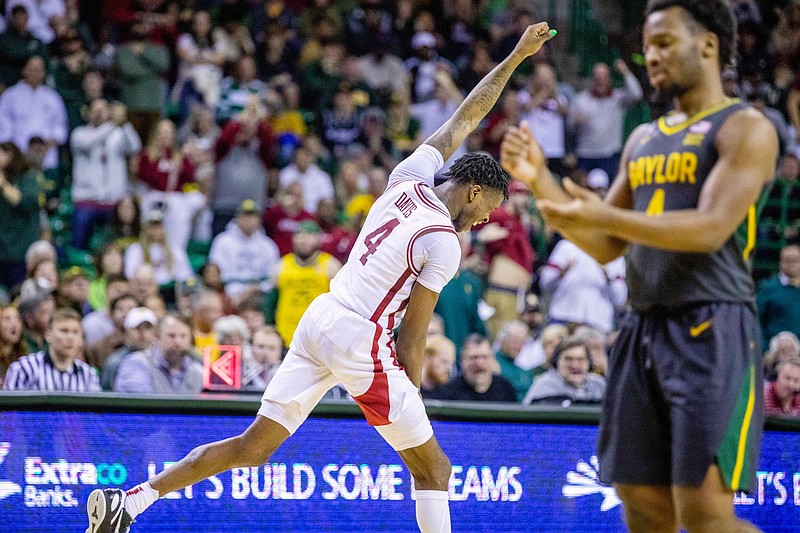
{"x": 57, "y": 368}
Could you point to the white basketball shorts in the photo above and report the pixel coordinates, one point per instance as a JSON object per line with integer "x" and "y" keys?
{"x": 331, "y": 345}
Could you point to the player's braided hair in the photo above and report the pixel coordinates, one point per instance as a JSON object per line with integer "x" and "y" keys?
{"x": 479, "y": 169}
{"x": 714, "y": 15}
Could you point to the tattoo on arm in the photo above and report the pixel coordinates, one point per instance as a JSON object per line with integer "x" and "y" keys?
{"x": 472, "y": 110}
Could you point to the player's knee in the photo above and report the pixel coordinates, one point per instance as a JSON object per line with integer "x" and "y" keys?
{"x": 645, "y": 512}
{"x": 434, "y": 475}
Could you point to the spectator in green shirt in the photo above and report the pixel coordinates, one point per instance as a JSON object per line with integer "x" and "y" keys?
{"x": 779, "y": 297}
{"x": 19, "y": 213}
{"x": 142, "y": 66}
{"x": 17, "y": 45}
{"x": 511, "y": 338}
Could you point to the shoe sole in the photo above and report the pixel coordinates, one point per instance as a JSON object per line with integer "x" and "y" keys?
{"x": 96, "y": 510}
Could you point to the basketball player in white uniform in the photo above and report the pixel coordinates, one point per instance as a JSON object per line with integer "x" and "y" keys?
{"x": 406, "y": 252}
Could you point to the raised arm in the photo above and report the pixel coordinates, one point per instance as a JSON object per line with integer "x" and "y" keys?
{"x": 482, "y": 98}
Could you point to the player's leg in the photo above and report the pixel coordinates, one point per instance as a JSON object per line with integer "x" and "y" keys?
{"x": 252, "y": 448}
{"x": 431, "y": 470}
{"x": 716, "y": 425}
{"x": 647, "y": 508}
{"x": 709, "y": 507}
{"x": 293, "y": 392}
{"x": 633, "y": 443}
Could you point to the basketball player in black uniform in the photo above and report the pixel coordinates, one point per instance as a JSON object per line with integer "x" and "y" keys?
{"x": 682, "y": 418}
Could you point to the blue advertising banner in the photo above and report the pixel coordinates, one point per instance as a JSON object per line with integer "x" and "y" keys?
{"x": 335, "y": 475}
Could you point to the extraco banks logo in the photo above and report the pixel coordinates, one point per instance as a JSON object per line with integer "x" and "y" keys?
{"x": 7, "y": 488}
{"x": 585, "y": 481}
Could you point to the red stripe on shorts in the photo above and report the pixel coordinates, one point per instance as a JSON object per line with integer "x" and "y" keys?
{"x": 375, "y": 402}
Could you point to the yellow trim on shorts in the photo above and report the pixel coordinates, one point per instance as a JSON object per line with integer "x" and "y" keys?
{"x": 748, "y": 415}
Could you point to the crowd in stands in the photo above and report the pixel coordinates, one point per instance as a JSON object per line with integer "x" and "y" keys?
{"x": 261, "y": 132}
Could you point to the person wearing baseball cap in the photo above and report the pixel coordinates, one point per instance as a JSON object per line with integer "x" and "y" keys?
{"x": 243, "y": 252}
{"x": 140, "y": 332}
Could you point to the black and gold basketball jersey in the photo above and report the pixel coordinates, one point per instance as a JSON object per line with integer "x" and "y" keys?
{"x": 667, "y": 169}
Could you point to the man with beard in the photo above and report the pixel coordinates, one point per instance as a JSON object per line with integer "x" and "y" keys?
{"x": 682, "y": 417}
{"x": 302, "y": 275}
{"x": 167, "y": 366}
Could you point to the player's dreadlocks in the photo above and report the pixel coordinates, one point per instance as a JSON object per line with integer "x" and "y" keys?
{"x": 715, "y": 16}
{"x": 479, "y": 169}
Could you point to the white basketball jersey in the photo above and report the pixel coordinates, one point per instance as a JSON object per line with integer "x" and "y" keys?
{"x": 408, "y": 237}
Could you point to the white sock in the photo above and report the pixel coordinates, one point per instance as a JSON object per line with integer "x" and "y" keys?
{"x": 140, "y": 498}
{"x": 433, "y": 511}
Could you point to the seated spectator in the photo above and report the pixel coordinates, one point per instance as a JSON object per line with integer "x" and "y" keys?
{"x": 266, "y": 355}
{"x": 211, "y": 278}
{"x": 383, "y": 71}
{"x": 570, "y": 380}
{"x": 37, "y": 251}
{"x": 97, "y": 353}
{"x": 436, "y": 325}
{"x": 59, "y": 366}
{"x": 98, "y": 324}
{"x": 342, "y": 123}
{"x": 100, "y": 152}
{"x": 125, "y": 226}
{"x": 44, "y": 17}
{"x": 42, "y": 274}
{"x": 206, "y": 310}
{"x": 315, "y": 183}
{"x": 477, "y": 381}
{"x": 156, "y": 304}
{"x": 73, "y": 291}
{"x": 458, "y": 301}
{"x": 581, "y": 290}
{"x": 36, "y": 310}
{"x": 244, "y": 152}
{"x": 239, "y": 88}
{"x": 300, "y": 277}
{"x": 251, "y": 309}
{"x": 358, "y": 207}
{"x": 169, "y": 263}
{"x": 245, "y": 255}
{"x": 12, "y": 345}
{"x": 402, "y": 127}
{"x": 109, "y": 261}
{"x": 140, "y": 332}
{"x": 598, "y": 349}
{"x": 338, "y": 238}
{"x": 232, "y": 330}
{"x": 143, "y": 284}
{"x": 784, "y": 345}
{"x": 169, "y": 176}
{"x": 32, "y": 109}
{"x": 510, "y": 339}
{"x": 280, "y": 220}
{"x": 782, "y": 396}
{"x": 167, "y": 366}
{"x": 438, "y": 364}
{"x": 779, "y": 296}
{"x": 18, "y": 45}
{"x": 19, "y": 213}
